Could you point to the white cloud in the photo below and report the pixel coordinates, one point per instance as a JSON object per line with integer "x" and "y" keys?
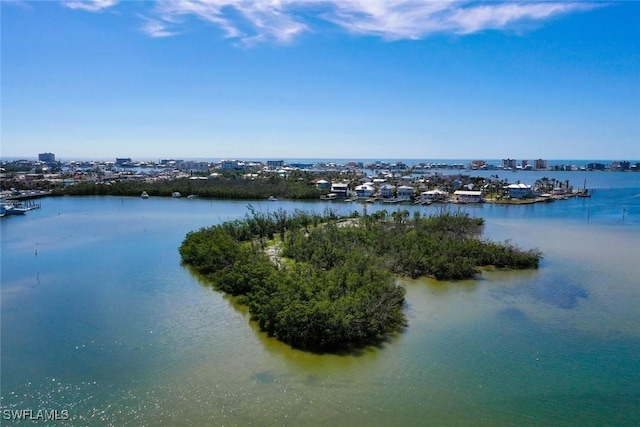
{"x": 413, "y": 19}
{"x": 503, "y": 15}
{"x": 249, "y": 21}
{"x": 394, "y": 19}
{"x": 172, "y": 13}
{"x": 90, "y": 5}
{"x": 254, "y": 21}
{"x": 271, "y": 20}
{"x": 156, "y": 28}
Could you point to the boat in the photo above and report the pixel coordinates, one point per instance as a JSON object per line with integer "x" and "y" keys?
{"x": 176, "y": 194}
{"x": 8, "y": 208}
{"x": 272, "y": 199}
{"x": 584, "y": 192}
{"x": 330, "y": 196}
{"x": 192, "y": 196}
{"x": 16, "y": 210}
{"x": 144, "y": 195}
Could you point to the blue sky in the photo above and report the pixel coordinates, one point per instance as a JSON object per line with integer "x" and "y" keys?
{"x": 321, "y": 79}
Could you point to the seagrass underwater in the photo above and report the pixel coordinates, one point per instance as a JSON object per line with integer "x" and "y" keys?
{"x": 100, "y": 319}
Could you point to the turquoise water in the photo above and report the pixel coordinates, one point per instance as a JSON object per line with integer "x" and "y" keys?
{"x": 99, "y": 318}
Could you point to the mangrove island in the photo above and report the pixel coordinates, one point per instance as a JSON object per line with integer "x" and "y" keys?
{"x": 327, "y": 283}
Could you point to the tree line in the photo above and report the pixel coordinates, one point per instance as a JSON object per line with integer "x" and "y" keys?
{"x": 219, "y": 188}
{"x": 333, "y": 286}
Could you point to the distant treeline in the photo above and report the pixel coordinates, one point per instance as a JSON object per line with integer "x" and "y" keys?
{"x": 218, "y": 188}
{"x": 333, "y": 285}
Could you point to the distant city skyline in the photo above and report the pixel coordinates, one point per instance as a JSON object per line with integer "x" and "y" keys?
{"x": 328, "y": 79}
{"x": 535, "y": 163}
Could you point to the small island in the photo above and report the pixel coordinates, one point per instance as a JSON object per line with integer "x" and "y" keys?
{"x": 327, "y": 283}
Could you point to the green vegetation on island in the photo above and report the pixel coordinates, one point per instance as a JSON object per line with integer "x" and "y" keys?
{"x": 326, "y": 282}
{"x": 222, "y": 187}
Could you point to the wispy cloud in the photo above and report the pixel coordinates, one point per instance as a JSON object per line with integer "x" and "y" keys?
{"x": 90, "y": 5}
{"x": 249, "y": 21}
{"x": 411, "y": 19}
{"x": 502, "y": 16}
{"x": 17, "y": 3}
{"x": 157, "y": 28}
{"x": 394, "y": 19}
{"x": 255, "y": 21}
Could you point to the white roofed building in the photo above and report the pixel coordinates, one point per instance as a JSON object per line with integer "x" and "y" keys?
{"x": 387, "y": 191}
{"x": 365, "y": 190}
{"x": 468, "y": 196}
{"x": 519, "y": 191}
{"x": 340, "y": 189}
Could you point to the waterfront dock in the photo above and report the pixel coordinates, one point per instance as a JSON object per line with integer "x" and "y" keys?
{"x": 17, "y": 208}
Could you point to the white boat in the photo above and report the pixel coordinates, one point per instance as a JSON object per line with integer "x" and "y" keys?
{"x": 272, "y": 199}
{"x": 8, "y": 208}
{"x": 144, "y": 195}
{"x": 330, "y": 196}
{"x": 192, "y": 196}
{"x": 176, "y": 194}
{"x": 17, "y": 210}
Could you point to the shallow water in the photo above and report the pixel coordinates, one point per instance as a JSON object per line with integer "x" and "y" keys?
{"x": 100, "y": 318}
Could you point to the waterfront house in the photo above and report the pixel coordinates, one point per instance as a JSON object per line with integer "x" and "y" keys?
{"x": 387, "y": 191}
{"x": 322, "y": 184}
{"x": 467, "y": 196}
{"x": 405, "y": 192}
{"x": 519, "y": 191}
{"x": 365, "y": 190}
{"x": 340, "y": 189}
{"x": 433, "y": 196}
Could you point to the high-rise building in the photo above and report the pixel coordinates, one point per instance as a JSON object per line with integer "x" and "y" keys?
{"x": 540, "y": 164}
{"x": 47, "y": 157}
{"x": 509, "y": 163}
{"x": 275, "y": 163}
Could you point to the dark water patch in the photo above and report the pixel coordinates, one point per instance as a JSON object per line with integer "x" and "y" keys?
{"x": 265, "y": 377}
{"x": 553, "y": 290}
{"x": 560, "y": 294}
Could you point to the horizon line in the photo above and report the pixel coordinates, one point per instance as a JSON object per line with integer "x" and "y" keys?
{"x": 347, "y": 159}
